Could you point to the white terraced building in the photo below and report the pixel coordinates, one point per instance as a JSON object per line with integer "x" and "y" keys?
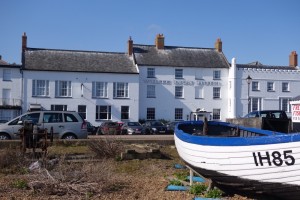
{"x": 148, "y": 82}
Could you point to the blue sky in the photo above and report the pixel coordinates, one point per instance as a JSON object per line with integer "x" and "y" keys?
{"x": 253, "y": 30}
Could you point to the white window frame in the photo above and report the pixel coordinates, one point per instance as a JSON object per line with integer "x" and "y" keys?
{"x": 151, "y": 113}
{"x": 178, "y": 114}
{"x": 216, "y": 92}
{"x": 63, "y": 89}
{"x": 103, "y": 112}
{"x": 150, "y": 72}
{"x": 99, "y": 89}
{"x": 40, "y": 88}
{"x": 285, "y": 104}
{"x": 151, "y": 91}
{"x": 270, "y": 86}
{"x": 255, "y": 103}
{"x": 121, "y": 90}
{"x": 285, "y": 87}
{"x": 216, "y": 114}
{"x": 6, "y": 74}
{"x": 125, "y": 111}
{"x": 179, "y": 92}
{"x": 255, "y": 86}
{"x": 178, "y": 73}
{"x": 217, "y": 75}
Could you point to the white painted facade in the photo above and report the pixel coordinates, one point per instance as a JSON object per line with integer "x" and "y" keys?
{"x": 81, "y": 93}
{"x": 198, "y": 84}
{"x": 270, "y": 89}
{"x": 10, "y": 91}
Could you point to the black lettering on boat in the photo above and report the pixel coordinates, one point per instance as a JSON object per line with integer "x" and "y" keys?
{"x": 277, "y": 158}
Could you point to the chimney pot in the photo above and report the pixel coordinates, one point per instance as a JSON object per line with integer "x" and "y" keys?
{"x": 293, "y": 59}
{"x": 130, "y": 46}
{"x": 218, "y": 45}
{"x": 160, "y": 41}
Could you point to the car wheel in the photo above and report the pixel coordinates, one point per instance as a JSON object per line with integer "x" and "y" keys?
{"x": 69, "y": 136}
{"x": 4, "y": 136}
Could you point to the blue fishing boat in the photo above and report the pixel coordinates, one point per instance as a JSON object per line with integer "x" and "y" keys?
{"x": 242, "y": 160}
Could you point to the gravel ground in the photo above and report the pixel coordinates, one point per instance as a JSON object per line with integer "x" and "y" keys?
{"x": 96, "y": 179}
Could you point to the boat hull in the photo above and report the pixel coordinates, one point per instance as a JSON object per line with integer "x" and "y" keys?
{"x": 257, "y": 166}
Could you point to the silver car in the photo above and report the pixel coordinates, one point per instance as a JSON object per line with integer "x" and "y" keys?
{"x": 65, "y": 124}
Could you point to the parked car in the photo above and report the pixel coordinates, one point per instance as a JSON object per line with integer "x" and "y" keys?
{"x": 91, "y": 129}
{"x": 132, "y": 128}
{"x": 154, "y": 127}
{"x": 65, "y": 124}
{"x": 171, "y": 127}
{"x": 278, "y": 114}
{"x": 109, "y": 128}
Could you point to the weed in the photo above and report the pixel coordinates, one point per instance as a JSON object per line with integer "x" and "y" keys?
{"x": 182, "y": 175}
{"x": 176, "y": 182}
{"x": 198, "y": 189}
{"x": 214, "y": 193}
{"x": 106, "y": 148}
{"x": 20, "y": 184}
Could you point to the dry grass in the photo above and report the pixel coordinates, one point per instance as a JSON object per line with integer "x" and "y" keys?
{"x": 105, "y": 178}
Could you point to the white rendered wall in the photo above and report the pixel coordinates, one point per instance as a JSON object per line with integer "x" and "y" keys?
{"x": 270, "y": 100}
{"x": 165, "y": 82}
{"x": 86, "y": 79}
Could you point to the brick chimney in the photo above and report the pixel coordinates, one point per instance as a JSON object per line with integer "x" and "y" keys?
{"x": 218, "y": 45}
{"x": 24, "y": 42}
{"x": 293, "y": 59}
{"x": 160, "y": 41}
{"x": 130, "y": 46}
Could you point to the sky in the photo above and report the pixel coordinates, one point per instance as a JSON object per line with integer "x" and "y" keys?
{"x": 251, "y": 30}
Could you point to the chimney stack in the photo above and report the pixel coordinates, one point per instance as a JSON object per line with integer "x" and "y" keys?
{"x": 293, "y": 59}
{"x": 218, "y": 45}
{"x": 24, "y": 42}
{"x": 130, "y": 46}
{"x": 160, "y": 41}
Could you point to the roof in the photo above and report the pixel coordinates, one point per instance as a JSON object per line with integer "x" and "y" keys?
{"x": 77, "y": 61}
{"x": 2, "y": 62}
{"x": 297, "y": 98}
{"x": 149, "y": 55}
{"x": 258, "y": 65}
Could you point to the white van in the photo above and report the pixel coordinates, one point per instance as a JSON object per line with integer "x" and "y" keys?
{"x": 66, "y": 124}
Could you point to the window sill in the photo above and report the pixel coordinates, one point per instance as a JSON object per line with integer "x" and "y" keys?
{"x": 42, "y": 97}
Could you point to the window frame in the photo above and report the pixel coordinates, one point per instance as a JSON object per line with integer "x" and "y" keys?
{"x": 82, "y": 110}
{"x": 103, "y": 112}
{"x": 99, "y": 89}
{"x": 285, "y": 106}
{"x": 59, "y": 107}
{"x": 151, "y": 91}
{"x": 63, "y": 89}
{"x": 216, "y": 114}
{"x": 179, "y": 92}
{"x": 40, "y": 88}
{"x": 178, "y": 73}
{"x": 120, "y": 90}
{"x": 255, "y": 86}
{"x": 270, "y": 86}
{"x": 216, "y": 74}
{"x": 6, "y": 74}
{"x": 150, "y": 72}
{"x": 125, "y": 112}
{"x": 150, "y": 113}
{"x": 285, "y": 89}
{"x": 216, "y": 92}
{"x": 178, "y": 115}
